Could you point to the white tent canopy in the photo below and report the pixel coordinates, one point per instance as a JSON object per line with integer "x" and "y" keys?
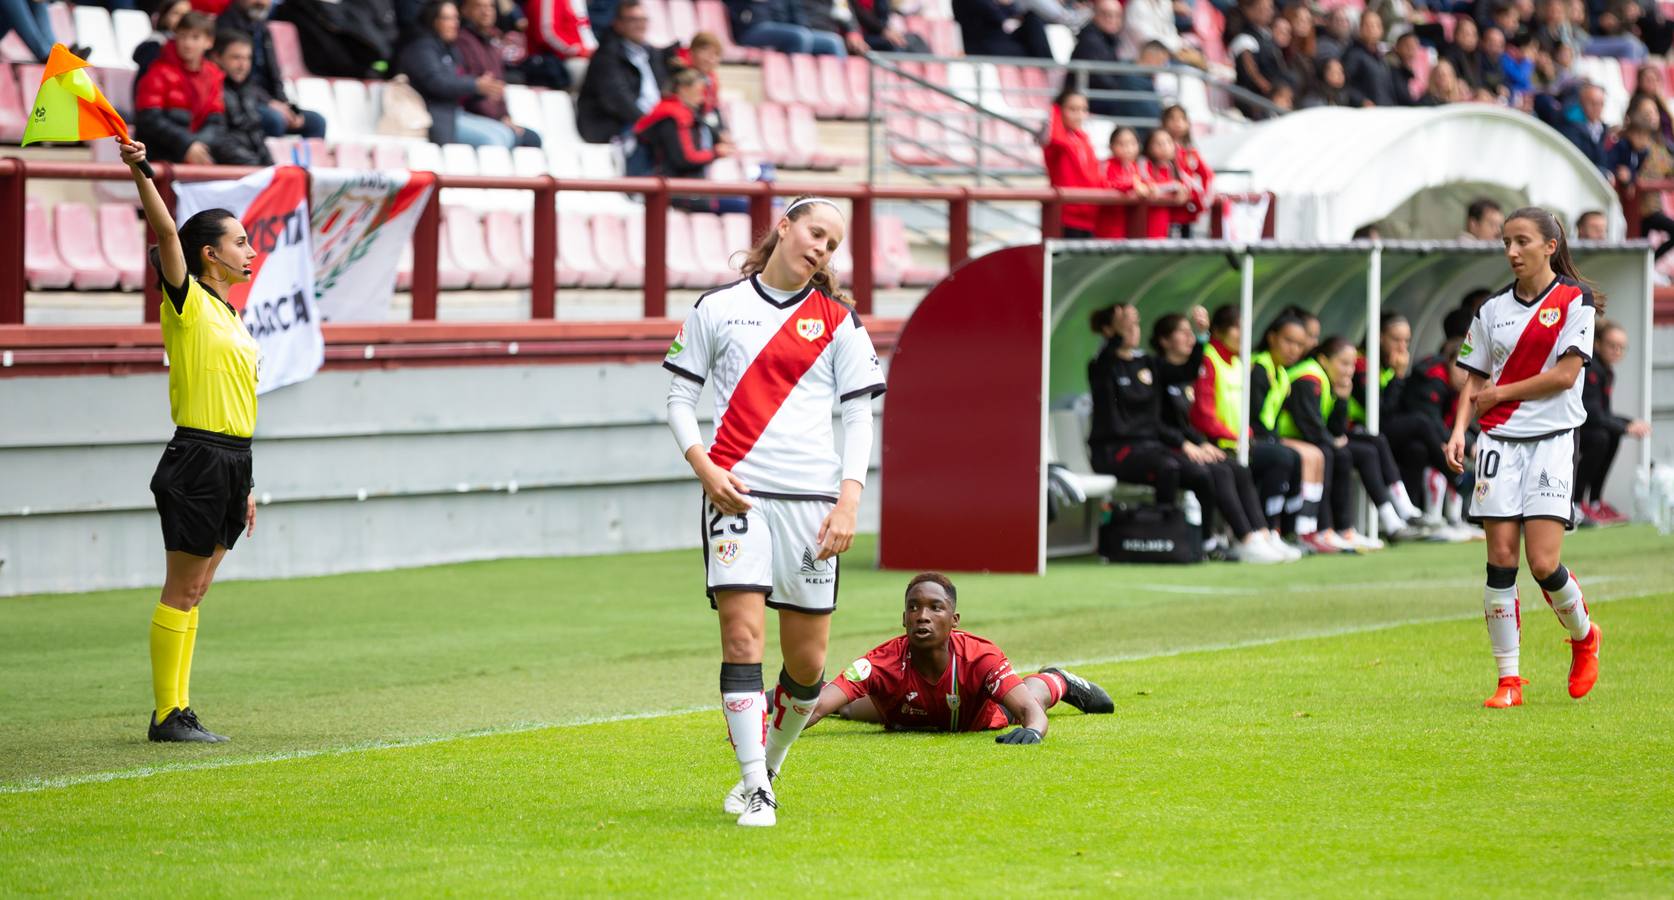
{"x": 1335, "y": 169}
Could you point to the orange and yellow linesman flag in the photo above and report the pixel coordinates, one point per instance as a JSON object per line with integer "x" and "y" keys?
{"x": 69, "y": 107}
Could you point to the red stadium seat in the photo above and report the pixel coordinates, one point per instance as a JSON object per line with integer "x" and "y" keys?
{"x": 503, "y": 237}
{"x": 63, "y": 24}
{"x": 611, "y": 242}
{"x": 388, "y": 157}
{"x": 354, "y": 156}
{"x": 709, "y": 246}
{"x": 14, "y": 50}
{"x": 735, "y": 230}
{"x": 745, "y": 124}
{"x": 778, "y": 79}
{"x": 123, "y": 238}
{"x": 659, "y": 32}
{"x": 41, "y": 262}
{"x": 834, "y": 84}
{"x": 28, "y": 82}
{"x": 118, "y": 86}
{"x": 682, "y": 21}
{"x": 283, "y": 150}
{"x": 805, "y": 133}
{"x": 892, "y": 238}
{"x": 684, "y": 269}
{"x": 578, "y": 260}
{"x": 775, "y": 133}
{"x": 449, "y": 276}
{"x": 463, "y": 231}
{"x": 855, "y": 70}
{"x": 13, "y": 114}
{"x": 805, "y": 84}
{"x": 712, "y": 17}
{"x": 78, "y": 245}
{"x": 288, "y": 47}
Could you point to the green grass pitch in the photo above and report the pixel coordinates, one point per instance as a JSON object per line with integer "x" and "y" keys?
{"x": 548, "y": 727}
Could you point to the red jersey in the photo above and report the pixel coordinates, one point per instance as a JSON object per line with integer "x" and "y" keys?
{"x": 965, "y": 698}
{"x": 1124, "y": 178}
{"x": 1071, "y": 163}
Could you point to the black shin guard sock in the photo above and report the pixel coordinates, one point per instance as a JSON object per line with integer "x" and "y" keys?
{"x": 740, "y": 678}
{"x": 1555, "y": 582}
{"x": 801, "y": 691}
{"x": 1502, "y": 577}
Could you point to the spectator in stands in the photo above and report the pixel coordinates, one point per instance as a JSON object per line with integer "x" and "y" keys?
{"x": 480, "y": 50}
{"x": 558, "y": 31}
{"x": 278, "y": 115}
{"x": 1257, "y": 58}
{"x": 1483, "y": 220}
{"x": 835, "y": 19}
{"x": 180, "y": 114}
{"x": 1126, "y": 176}
{"x": 1367, "y": 71}
{"x": 1332, "y": 88}
{"x": 431, "y": 62}
{"x": 1168, "y": 185}
{"x": 1194, "y": 169}
{"x": 1404, "y": 62}
{"x": 1588, "y": 133}
{"x": 1590, "y": 226}
{"x": 1001, "y": 28}
{"x": 1649, "y": 83}
{"x": 348, "y": 40}
{"x": 241, "y": 142}
{"x": 1465, "y": 54}
{"x": 704, "y": 55}
{"x": 883, "y": 29}
{"x": 681, "y": 144}
{"x": 1155, "y": 20}
{"x": 780, "y": 25}
{"x": 1097, "y": 42}
{"x": 1070, "y": 160}
{"x": 33, "y": 25}
{"x": 1552, "y": 26}
{"x": 1298, "y": 41}
{"x": 162, "y": 29}
{"x": 1444, "y": 87}
{"x": 1518, "y": 66}
{"x": 1602, "y": 433}
{"x": 1337, "y": 35}
{"x": 1620, "y": 28}
{"x": 1493, "y": 61}
{"x": 622, "y": 82}
{"x": 1640, "y": 155}
{"x": 1131, "y": 439}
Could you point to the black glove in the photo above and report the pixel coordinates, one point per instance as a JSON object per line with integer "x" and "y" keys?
{"x": 1019, "y": 736}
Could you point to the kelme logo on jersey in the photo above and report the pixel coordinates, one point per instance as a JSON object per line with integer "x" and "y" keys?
{"x": 1550, "y": 317}
{"x": 858, "y": 671}
{"x": 810, "y": 329}
{"x": 726, "y": 552}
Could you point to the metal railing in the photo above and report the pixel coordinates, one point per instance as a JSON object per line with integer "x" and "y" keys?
{"x": 657, "y": 193}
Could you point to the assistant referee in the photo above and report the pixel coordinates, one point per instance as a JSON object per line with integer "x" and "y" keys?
{"x": 203, "y": 482}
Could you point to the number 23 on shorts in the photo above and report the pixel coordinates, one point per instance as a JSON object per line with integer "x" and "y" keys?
{"x": 740, "y": 523}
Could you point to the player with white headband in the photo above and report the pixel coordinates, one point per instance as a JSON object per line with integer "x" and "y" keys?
{"x": 783, "y": 347}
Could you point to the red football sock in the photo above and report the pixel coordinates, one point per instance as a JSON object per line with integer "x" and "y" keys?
{"x": 1055, "y": 686}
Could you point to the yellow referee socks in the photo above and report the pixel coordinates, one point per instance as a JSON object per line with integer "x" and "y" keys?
{"x": 186, "y": 658}
{"x": 168, "y": 644}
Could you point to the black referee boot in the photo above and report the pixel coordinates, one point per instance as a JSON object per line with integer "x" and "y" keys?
{"x": 192, "y": 719}
{"x": 178, "y": 728}
{"x": 1081, "y": 693}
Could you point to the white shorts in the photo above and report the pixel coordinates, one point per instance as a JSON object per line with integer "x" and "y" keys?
{"x": 771, "y": 549}
{"x": 1525, "y": 479}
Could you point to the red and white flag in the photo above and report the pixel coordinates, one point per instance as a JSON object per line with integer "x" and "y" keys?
{"x": 363, "y": 223}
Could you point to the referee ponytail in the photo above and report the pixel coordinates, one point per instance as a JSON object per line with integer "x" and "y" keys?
{"x": 823, "y": 279}
{"x": 1552, "y": 230}
{"x": 203, "y": 229}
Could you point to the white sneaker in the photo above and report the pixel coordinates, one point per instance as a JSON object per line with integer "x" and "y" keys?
{"x": 761, "y": 809}
{"x": 1259, "y": 552}
{"x": 1365, "y": 542}
{"x": 1337, "y": 542}
{"x": 738, "y": 799}
{"x": 1290, "y": 553}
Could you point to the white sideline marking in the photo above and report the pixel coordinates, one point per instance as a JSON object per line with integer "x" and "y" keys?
{"x": 33, "y": 785}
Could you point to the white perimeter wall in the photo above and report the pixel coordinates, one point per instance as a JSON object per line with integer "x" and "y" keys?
{"x": 435, "y": 451}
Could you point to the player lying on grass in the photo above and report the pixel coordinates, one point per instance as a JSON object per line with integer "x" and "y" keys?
{"x": 937, "y": 678}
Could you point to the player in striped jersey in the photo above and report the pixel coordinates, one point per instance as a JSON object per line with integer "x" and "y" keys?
{"x": 1524, "y": 353}
{"x": 783, "y": 347}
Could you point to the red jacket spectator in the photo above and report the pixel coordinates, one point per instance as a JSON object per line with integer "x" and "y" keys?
{"x": 556, "y": 28}
{"x": 177, "y": 107}
{"x": 670, "y": 130}
{"x": 1200, "y": 178}
{"x": 1123, "y": 178}
{"x": 1158, "y": 218}
{"x": 1071, "y": 163}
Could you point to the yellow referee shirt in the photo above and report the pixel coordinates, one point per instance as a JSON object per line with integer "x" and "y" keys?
{"x": 212, "y": 363}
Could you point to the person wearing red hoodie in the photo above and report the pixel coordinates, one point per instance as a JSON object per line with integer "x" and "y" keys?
{"x": 180, "y": 113}
{"x": 1199, "y": 178}
{"x": 1168, "y": 185}
{"x": 681, "y": 144}
{"x": 557, "y": 31}
{"x": 1125, "y": 176}
{"x": 1071, "y": 162}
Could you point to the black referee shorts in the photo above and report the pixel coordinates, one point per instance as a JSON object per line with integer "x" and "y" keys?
{"x": 201, "y": 485}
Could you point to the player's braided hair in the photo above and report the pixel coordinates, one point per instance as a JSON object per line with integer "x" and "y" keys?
{"x": 933, "y": 578}
{"x": 1552, "y": 230}
{"x": 755, "y": 259}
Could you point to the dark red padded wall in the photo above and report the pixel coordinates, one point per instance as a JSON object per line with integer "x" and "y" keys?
{"x": 962, "y": 443}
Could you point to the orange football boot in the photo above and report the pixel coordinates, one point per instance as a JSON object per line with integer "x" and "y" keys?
{"x": 1583, "y": 664}
{"x": 1510, "y": 693}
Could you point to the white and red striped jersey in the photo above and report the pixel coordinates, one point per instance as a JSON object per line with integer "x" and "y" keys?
{"x": 780, "y": 367}
{"x": 1513, "y": 339}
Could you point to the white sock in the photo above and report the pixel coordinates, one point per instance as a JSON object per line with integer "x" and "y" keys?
{"x": 1455, "y": 507}
{"x": 1568, "y": 603}
{"x": 745, "y": 707}
{"x": 1435, "y": 495}
{"x": 787, "y": 716}
{"x": 1403, "y": 502}
{"x": 1389, "y": 518}
{"x": 1500, "y": 608}
{"x": 1275, "y": 506}
{"x": 1293, "y": 503}
{"x": 1307, "y": 521}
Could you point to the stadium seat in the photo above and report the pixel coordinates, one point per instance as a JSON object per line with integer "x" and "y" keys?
{"x": 611, "y": 245}
{"x": 497, "y": 161}
{"x": 316, "y": 152}
{"x": 682, "y": 21}
{"x": 389, "y": 157}
{"x": 131, "y": 28}
{"x": 288, "y": 47}
{"x": 28, "y": 82}
{"x": 602, "y": 161}
{"x": 353, "y": 156}
{"x": 356, "y": 115}
{"x": 891, "y": 234}
{"x": 530, "y": 162}
{"x": 14, "y": 50}
{"x": 122, "y": 236}
{"x": 578, "y": 263}
{"x": 658, "y": 32}
{"x": 834, "y": 85}
{"x": 1062, "y": 41}
{"x": 503, "y": 240}
{"x": 559, "y": 119}
{"x": 857, "y": 72}
{"x": 425, "y": 157}
{"x": 709, "y": 247}
{"x": 463, "y": 230}
{"x": 77, "y": 236}
{"x": 775, "y": 133}
{"x": 117, "y": 83}
{"x": 95, "y": 30}
{"x": 461, "y": 159}
{"x": 41, "y": 262}
{"x": 735, "y": 231}
{"x": 745, "y": 125}
{"x": 804, "y": 132}
{"x": 316, "y": 94}
{"x": 712, "y": 17}
{"x": 1067, "y": 442}
{"x": 778, "y": 79}
{"x": 805, "y": 86}
{"x": 523, "y": 106}
{"x": 63, "y": 24}
{"x": 13, "y": 115}
{"x": 684, "y": 268}
{"x": 122, "y": 191}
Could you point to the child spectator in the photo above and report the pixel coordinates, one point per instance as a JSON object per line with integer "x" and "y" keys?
{"x": 1194, "y": 170}
{"x": 1125, "y": 175}
{"x": 180, "y": 114}
{"x": 1070, "y": 161}
{"x": 1162, "y": 169}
